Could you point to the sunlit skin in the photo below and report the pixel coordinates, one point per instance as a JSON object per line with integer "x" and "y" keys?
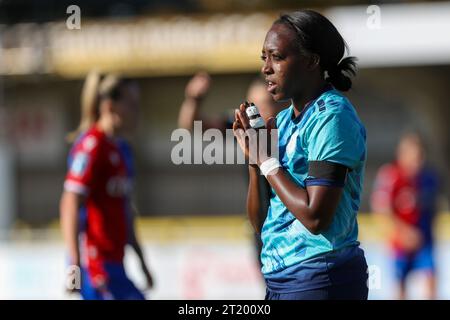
{"x": 290, "y": 75}
{"x": 410, "y": 155}
{"x": 119, "y": 118}
{"x": 295, "y": 77}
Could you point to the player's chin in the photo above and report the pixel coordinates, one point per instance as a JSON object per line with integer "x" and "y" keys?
{"x": 279, "y": 96}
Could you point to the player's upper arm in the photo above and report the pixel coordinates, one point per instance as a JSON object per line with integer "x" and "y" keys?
{"x": 335, "y": 145}
{"x": 323, "y": 202}
{"x": 71, "y": 200}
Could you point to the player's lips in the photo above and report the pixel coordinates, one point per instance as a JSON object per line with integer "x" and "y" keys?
{"x": 271, "y": 86}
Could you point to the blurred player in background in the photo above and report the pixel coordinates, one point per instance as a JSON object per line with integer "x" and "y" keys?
{"x": 198, "y": 87}
{"x": 96, "y": 215}
{"x": 190, "y": 111}
{"x": 310, "y": 235}
{"x": 405, "y": 198}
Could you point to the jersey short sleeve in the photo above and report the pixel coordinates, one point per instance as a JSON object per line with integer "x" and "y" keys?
{"x": 85, "y": 161}
{"x": 337, "y": 137}
{"x": 335, "y": 144}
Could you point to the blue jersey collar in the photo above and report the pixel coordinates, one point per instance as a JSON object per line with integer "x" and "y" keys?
{"x": 297, "y": 119}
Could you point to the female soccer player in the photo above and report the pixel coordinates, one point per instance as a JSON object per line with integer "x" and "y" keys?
{"x": 404, "y": 197}
{"x": 310, "y": 247}
{"x": 96, "y": 202}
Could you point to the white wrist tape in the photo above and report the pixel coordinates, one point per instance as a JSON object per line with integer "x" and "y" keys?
{"x": 269, "y": 166}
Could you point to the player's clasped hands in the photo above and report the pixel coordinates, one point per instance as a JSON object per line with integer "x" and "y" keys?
{"x": 249, "y": 138}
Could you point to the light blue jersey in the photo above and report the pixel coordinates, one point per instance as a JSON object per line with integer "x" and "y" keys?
{"x": 328, "y": 129}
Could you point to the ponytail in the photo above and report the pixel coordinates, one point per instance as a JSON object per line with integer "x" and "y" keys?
{"x": 89, "y": 104}
{"x": 339, "y": 75}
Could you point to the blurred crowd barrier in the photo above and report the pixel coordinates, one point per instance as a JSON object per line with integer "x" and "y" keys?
{"x": 197, "y": 258}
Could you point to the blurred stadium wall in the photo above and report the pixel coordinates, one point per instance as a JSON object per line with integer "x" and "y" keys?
{"x": 402, "y": 83}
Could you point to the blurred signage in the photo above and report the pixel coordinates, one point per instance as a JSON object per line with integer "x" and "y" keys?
{"x": 36, "y": 132}
{"x": 154, "y": 46}
{"x": 222, "y": 43}
{"x": 22, "y": 49}
{"x": 392, "y": 35}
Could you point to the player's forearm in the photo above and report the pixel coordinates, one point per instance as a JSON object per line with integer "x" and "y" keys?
{"x": 136, "y": 247}
{"x": 313, "y": 215}
{"x": 69, "y": 207}
{"x": 253, "y": 199}
{"x": 189, "y": 112}
{"x": 132, "y": 237}
{"x": 134, "y": 243}
{"x": 293, "y": 197}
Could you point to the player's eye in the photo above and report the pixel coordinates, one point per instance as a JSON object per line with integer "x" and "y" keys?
{"x": 277, "y": 57}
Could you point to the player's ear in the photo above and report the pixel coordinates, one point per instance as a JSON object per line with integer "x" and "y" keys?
{"x": 314, "y": 61}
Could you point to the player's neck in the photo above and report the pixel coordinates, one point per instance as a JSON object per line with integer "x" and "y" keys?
{"x": 106, "y": 126}
{"x": 308, "y": 95}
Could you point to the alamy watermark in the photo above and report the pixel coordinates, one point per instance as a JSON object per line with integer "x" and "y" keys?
{"x": 374, "y": 277}
{"x": 73, "y": 22}
{"x": 374, "y": 18}
{"x": 190, "y": 148}
{"x": 73, "y": 278}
